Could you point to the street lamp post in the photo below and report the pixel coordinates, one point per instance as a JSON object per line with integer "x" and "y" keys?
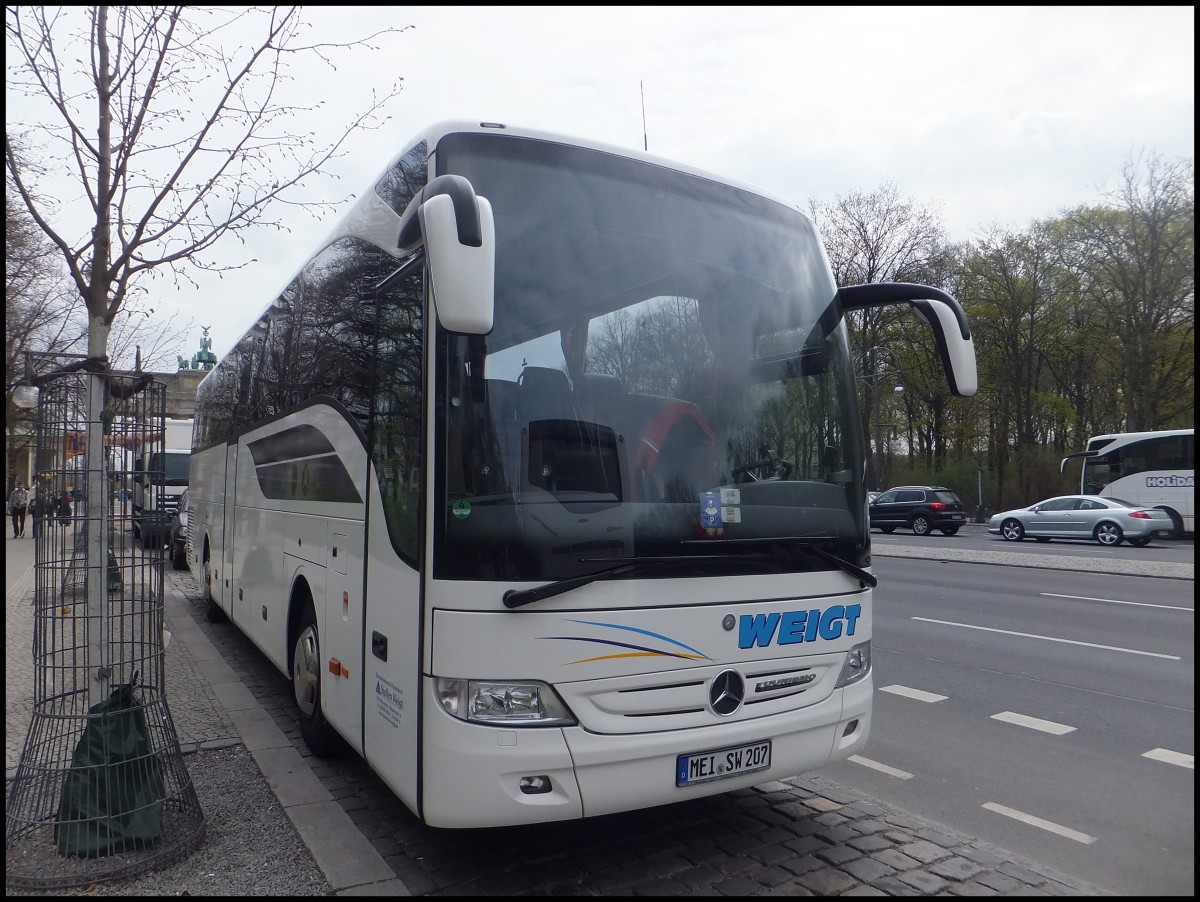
{"x": 875, "y": 376}
{"x": 24, "y": 391}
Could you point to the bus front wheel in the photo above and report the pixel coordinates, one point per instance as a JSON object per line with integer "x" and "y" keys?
{"x": 306, "y": 685}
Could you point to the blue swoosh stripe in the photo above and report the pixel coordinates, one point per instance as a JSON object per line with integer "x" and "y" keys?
{"x": 656, "y": 651}
{"x": 634, "y": 629}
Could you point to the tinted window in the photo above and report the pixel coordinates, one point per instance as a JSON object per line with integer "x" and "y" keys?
{"x": 946, "y": 497}
{"x": 397, "y": 436}
{"x": 910, "y": 496}
{"x": 314, "y": 339}
{"x": 1059, "y": 504}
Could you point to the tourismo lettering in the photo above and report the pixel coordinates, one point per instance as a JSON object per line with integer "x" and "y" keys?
{"x": 791, "y": 627}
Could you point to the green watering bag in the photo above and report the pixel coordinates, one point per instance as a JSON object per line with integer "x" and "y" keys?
{"x": 112, "y": 798}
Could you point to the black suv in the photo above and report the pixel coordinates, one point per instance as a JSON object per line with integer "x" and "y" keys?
{"x": 921, "y": 508}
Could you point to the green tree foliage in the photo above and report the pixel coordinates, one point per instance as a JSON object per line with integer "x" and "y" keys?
{"x": 1083, "y": 324}
{"x": 1138, "y": 249}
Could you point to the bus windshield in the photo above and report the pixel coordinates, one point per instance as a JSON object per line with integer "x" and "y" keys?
{"x": 667, "y": 378}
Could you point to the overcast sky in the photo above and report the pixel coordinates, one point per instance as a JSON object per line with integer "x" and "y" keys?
{"x": 989, "y": 114}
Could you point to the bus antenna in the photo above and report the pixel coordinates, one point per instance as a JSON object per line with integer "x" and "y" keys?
{"x": 645, "y": 140}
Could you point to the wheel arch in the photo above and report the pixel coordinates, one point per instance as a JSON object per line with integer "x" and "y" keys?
{"x": 1176, "y": 519}
{"x": 299, "y": 595}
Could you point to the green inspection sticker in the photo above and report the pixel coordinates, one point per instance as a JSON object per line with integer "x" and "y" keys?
{"x": 461, "y": 508}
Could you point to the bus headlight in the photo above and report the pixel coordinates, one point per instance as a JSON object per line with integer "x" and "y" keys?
{"x": 510, "y": 703}
{"x": 856, "y": 666}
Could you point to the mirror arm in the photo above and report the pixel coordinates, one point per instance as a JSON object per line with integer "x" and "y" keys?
{"x": 466, "y": 213}
{"x": 880, "y": 294}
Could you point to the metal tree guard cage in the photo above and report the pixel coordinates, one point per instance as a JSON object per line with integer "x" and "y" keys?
{"x": 101, "y": 791}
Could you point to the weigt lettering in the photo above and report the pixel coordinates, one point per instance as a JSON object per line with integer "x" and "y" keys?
{"x": 791, "y": 627}
{"x": 757, "y": 630}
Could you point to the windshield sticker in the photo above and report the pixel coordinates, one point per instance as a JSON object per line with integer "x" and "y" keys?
{"x": 710, "y": 510}
{"x": 461, "y": 508}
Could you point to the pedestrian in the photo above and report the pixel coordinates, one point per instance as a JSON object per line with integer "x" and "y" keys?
{"x": 18, "y": 502}
{"x": 35, "y": 505}
{"x": 63, "y": 506}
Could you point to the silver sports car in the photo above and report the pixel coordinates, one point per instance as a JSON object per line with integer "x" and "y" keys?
{"x": 1107, "y": 520}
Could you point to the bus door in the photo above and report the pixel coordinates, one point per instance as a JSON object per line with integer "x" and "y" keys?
{"x": 341, "y": 633}
{"x": 392, "y": 654}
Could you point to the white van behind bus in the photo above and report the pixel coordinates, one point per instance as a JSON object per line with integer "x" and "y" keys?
{"x": 160, "y": 474}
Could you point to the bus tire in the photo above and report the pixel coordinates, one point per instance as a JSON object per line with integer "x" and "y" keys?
{"x": 318, "y": 735}
{"x": 1176, "y": 522}
{"x": 212, "y": 611}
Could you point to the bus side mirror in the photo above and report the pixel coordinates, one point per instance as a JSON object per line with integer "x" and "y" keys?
{"x": 944, "y": 315}
{"x": 458, "y": 232}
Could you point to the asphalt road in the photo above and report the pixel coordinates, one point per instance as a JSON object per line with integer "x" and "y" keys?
{"x": 1050, "y": 712}
{"x": 976, "y": 538}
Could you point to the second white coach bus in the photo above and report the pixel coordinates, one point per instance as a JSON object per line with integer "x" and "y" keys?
{"x": 1154, "y": 469}
{"x": 544, "y": 482}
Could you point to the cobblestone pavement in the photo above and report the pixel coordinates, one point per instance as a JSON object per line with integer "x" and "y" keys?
{"x": 200, "y": 720}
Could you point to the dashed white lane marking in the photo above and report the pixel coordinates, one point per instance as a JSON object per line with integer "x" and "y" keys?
{"x": 882, "y": 768}
{"x": 1038, "y": 822}
{"x": 914, "y": 694}
{"x": 1034, "y": 723}
{"x": 989, "y": 629}
{"x": 1140, "y": 604}
{"x": 1171, "y": 757}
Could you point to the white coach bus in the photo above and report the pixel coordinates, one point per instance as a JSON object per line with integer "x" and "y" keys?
{"x": 544, "y": 482}
{"x": 1153, "y": 469}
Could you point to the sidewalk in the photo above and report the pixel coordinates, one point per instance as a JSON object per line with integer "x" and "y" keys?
{"x": 937, "y": 547}
{"x": 211, "y": 710}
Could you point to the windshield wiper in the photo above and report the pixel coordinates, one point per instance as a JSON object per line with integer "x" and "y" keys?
{"x": 515, "y": 598}
{"x": 817, "y": 545}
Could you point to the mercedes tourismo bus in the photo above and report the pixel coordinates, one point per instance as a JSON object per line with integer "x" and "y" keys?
{"x": 1154, "y": 469}
{"x": 543, "y": 480}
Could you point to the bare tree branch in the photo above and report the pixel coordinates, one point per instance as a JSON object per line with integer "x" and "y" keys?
{"x": 175, "y": 129}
